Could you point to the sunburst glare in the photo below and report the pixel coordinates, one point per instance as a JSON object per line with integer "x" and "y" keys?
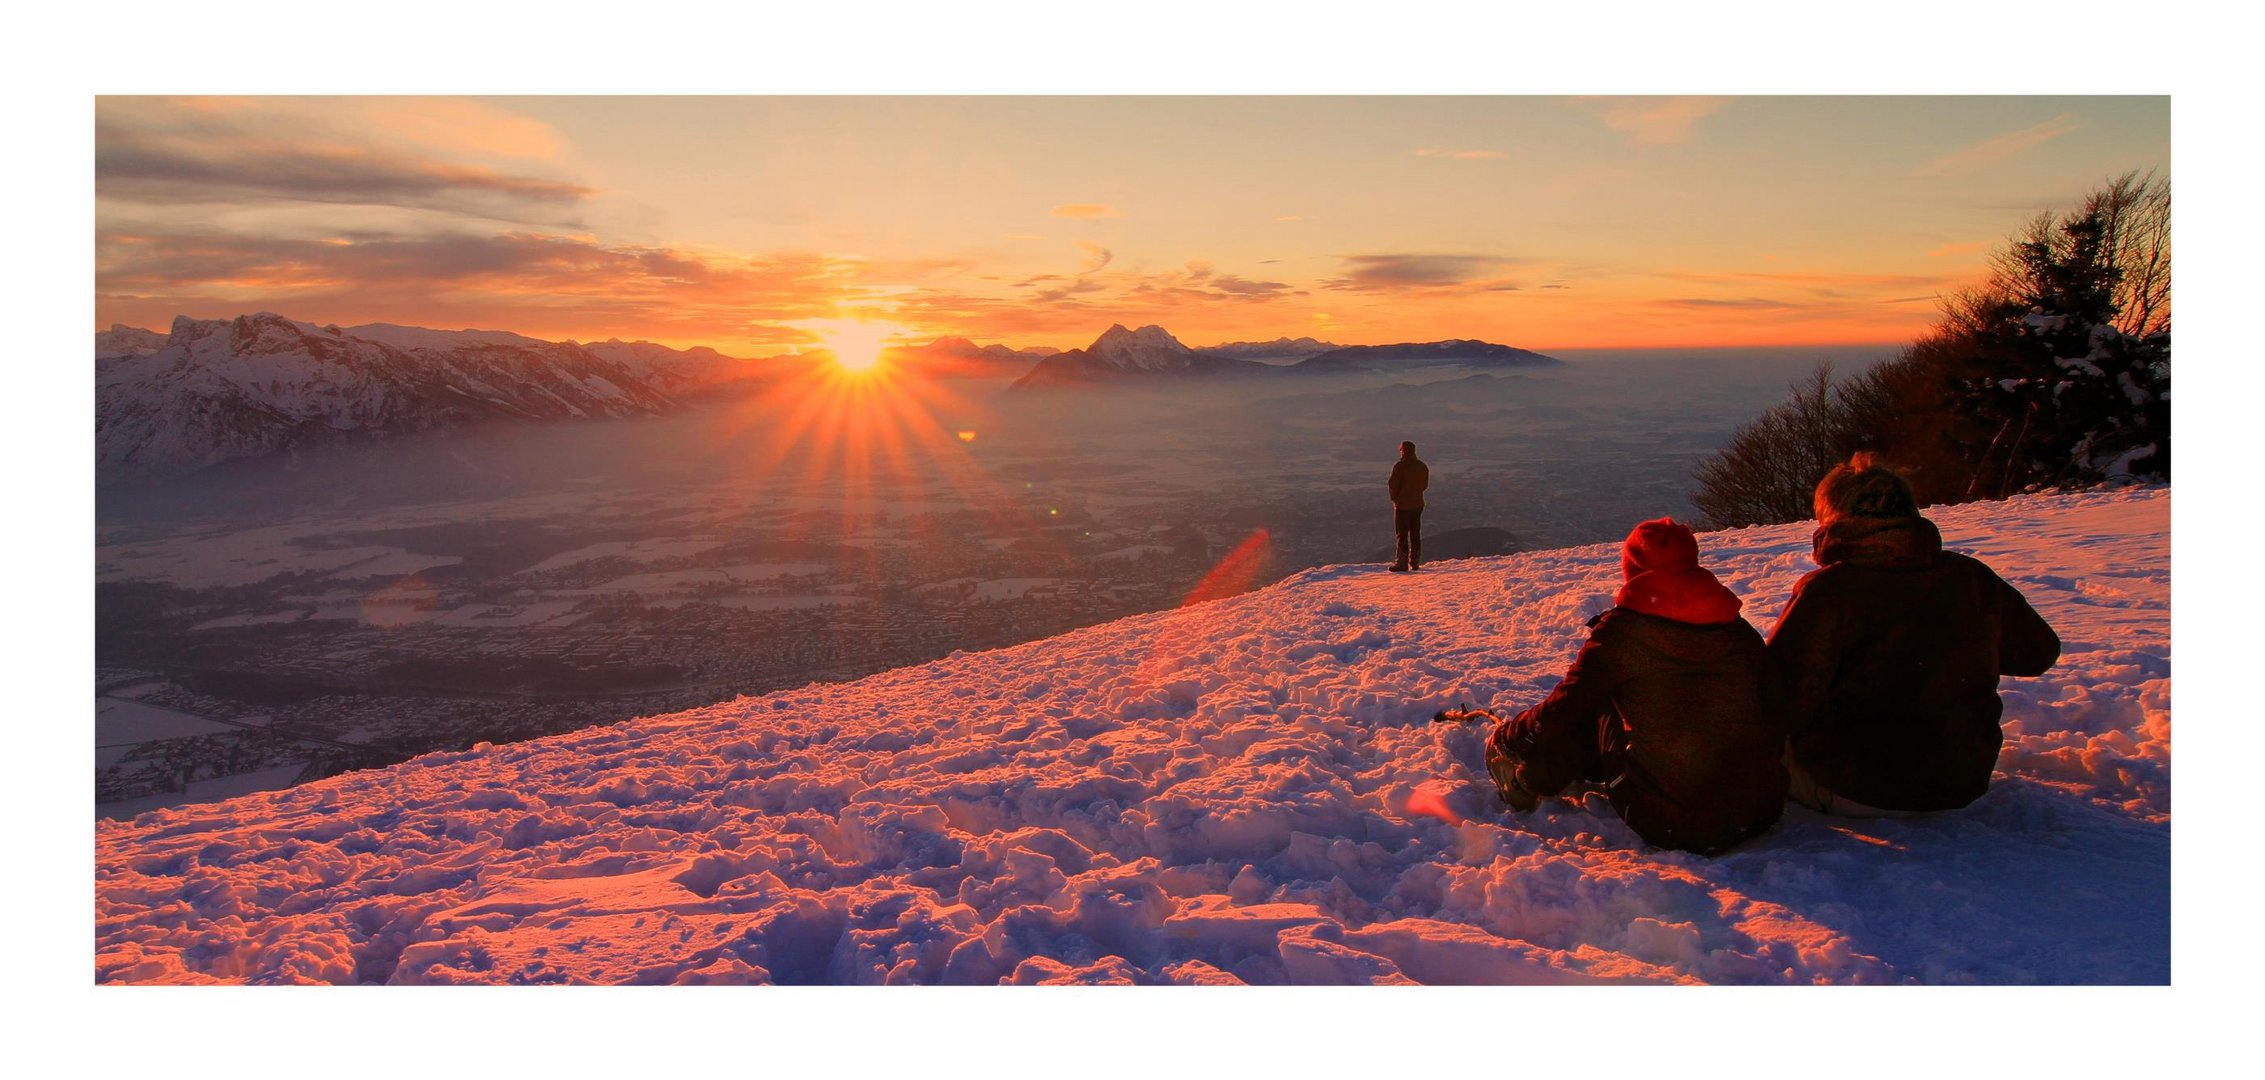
{"x": 856, "y": 344}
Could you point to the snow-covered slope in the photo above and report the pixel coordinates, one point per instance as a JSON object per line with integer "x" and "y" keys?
{"x": 957, "y": 357}
{"x": 1242, "y": 790}
{"x": 1279, "y": 350}
{"x": 227, "y": 388}
{"x": 672, "y": 370}
{"x": 123, "y": 341}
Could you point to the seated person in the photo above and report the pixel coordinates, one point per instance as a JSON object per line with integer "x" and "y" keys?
{"x": 1890, "y": 653}
{"x": 1670, "y": 703}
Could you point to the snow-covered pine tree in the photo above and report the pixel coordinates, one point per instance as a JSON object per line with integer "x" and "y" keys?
{"x": 2053, "y": 384}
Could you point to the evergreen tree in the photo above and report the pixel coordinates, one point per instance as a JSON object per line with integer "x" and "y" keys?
{"x": 2045, "y": 386}
{"x": 2054, "y": 371}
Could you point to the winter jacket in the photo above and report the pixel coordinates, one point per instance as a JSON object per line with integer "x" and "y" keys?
{"x": 1410, "y": 476}
{"x": 1890, "y": 654}
{"x": 1672, "y": 701}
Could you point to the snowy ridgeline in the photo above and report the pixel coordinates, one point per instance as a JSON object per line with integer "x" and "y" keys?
{"x": 1242, "y": 791}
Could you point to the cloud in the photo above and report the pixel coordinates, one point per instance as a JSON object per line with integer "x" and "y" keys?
{"x": 1751, "y": 303}
{"x": 1096, "y": 256}
{"x": 1228, "y": 283}
{"x": 1079, "y": 287}
{"x": 541, "y": 284}
{"x": 1086, "y": 210}
{"x": 1658, "y": 121}
{"x": 164, "y": 155}
{"x": 1461, "y": 155}
{"x": 1050, "y": 304}
{"x": 1999, "y": 150}
{"x": 1373, "y": 273}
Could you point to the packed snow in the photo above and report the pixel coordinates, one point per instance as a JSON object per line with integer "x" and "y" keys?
{"x": 1248, "y": 790}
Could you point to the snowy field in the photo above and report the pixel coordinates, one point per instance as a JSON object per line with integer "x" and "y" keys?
{"x": 1243, "y": 791}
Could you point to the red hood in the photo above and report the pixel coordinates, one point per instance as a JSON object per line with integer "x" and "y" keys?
{"x": 1690, "y": 595}
{"x": 1661, "y": 563}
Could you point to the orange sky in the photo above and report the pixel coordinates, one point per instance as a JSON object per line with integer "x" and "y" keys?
{"x": 743, "y": 223}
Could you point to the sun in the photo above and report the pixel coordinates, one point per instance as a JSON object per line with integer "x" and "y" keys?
{"x": 856, "y": 344}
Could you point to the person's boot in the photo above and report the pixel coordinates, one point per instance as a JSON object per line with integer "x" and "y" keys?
{"x": 1504, "y": 769}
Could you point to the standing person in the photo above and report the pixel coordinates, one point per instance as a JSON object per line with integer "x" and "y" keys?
{"x": 1410, "y": 476}
{"x": 1671, "y": 703}
{"x": 1891, "y": 651}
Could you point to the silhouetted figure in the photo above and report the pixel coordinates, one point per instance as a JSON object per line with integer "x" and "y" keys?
{"x": 1671, "y": 703}
{"x": 1890, "y": 652}
{"x": 1410, "y": 476}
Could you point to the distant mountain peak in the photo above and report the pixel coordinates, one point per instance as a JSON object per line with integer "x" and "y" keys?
{"x": 1150, "y": 348}
{"x": 1120, "y": 352}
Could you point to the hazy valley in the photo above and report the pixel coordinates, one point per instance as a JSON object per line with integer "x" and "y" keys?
{"x": 271, "y": 620}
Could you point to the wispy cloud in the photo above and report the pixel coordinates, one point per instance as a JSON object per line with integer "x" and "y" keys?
{"x": 1999, "y": 150}
{"x": 1096, "y": 256}
{"x": 1073, "y": 307}
{"x": 1749, "y": 303}
{"x": 163, "y": 153}
{"x": 1086, "y": 211}
{"x": 1378, "y": 273}
{"x": 1461, "y": 155}
{"x": 1657, "y": 121}
{"x": 534, "y": 283}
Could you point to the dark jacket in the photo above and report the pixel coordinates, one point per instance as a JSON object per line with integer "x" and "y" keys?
{"x": 1683, "y": 714}
{"x": 1890, "y": 654}
{"x": 1409, "y": 477}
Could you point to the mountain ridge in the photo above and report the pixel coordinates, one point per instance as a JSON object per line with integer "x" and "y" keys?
{"x": 220, "y": 389}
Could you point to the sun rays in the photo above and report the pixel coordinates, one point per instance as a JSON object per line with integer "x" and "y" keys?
{"x": 886, "y": 444}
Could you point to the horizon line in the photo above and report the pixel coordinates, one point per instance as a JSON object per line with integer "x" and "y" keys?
{"x": 800, "y": 350}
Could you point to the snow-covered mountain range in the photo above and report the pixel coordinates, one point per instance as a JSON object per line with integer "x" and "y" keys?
{"x": 957, "y": 357}
{"x": 1454, "y": 352}
{"x": 1279, "y": 350}
{"x": 1120, "y": 353}
{"x": 1247, "y": 790}
{"x": 212, "y": 390}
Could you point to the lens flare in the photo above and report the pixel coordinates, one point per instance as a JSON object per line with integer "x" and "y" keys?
{"x": 1238, "y": 573}
{"x": 1426, "y": 801}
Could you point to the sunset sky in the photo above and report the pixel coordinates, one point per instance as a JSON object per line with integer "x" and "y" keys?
{"x": 752, "y": 223}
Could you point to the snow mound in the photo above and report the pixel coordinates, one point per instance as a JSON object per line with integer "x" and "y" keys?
{"x": 1241, "y": 791}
